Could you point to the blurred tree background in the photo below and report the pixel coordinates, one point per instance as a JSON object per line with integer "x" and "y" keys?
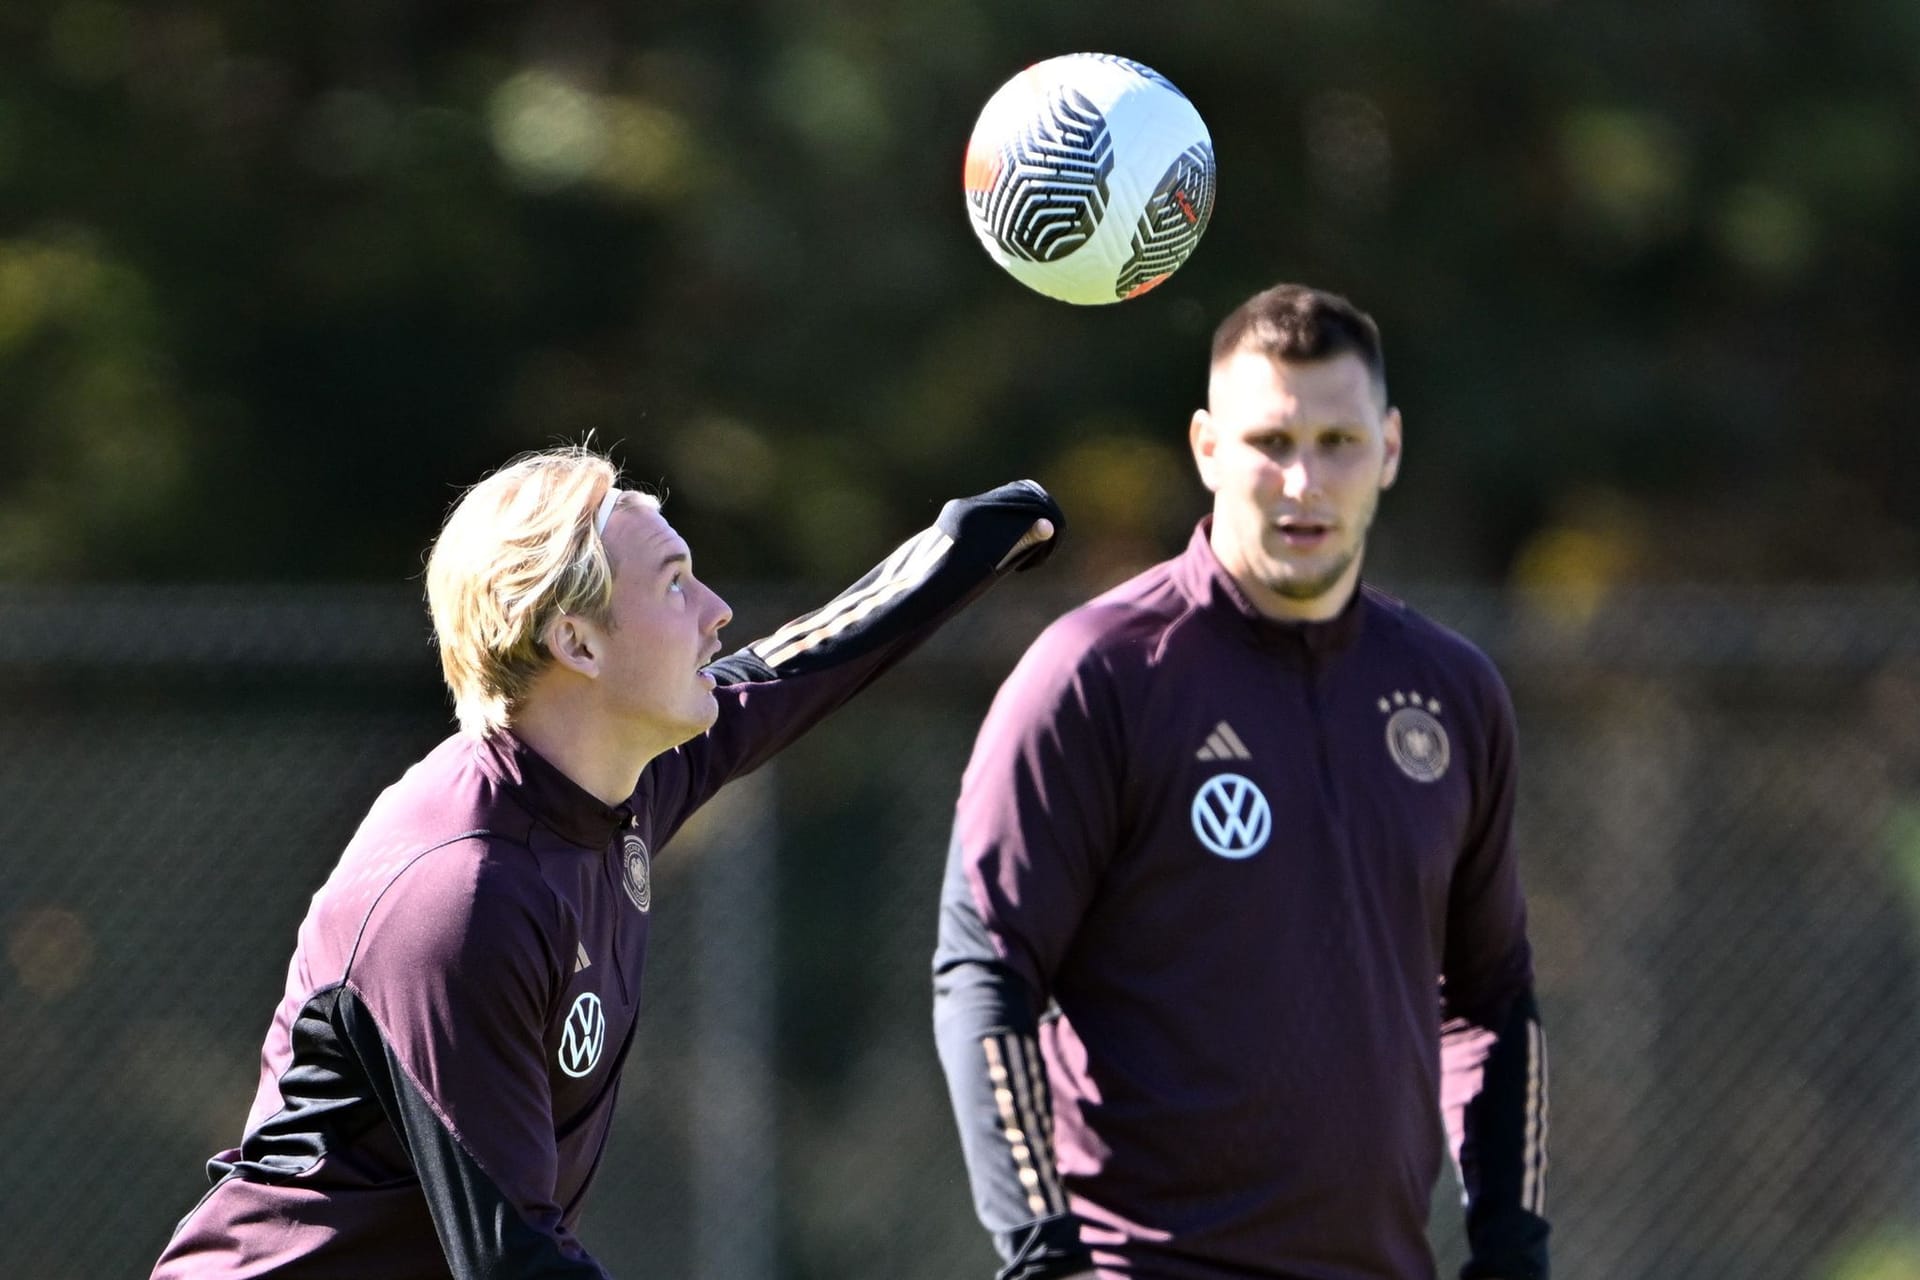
{"x": 274, "y": 282}
{"x": 277, "y": 281}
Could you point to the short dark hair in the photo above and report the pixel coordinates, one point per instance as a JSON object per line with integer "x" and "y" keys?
{"x": 1294, "y": 322}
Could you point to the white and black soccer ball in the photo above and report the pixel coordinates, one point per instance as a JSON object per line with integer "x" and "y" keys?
{"x": 1090, "y": 178}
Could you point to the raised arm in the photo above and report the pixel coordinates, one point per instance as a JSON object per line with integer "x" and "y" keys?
{"x": 781, "y": 685}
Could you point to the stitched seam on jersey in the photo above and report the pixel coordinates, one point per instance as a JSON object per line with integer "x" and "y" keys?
{"x": 1186, "y": 614}
{"x": 554, "y": 906}
{"x": 285, "y": 1177}
{"x": 360, "y": 932}
{"x": 432, "y": 1103}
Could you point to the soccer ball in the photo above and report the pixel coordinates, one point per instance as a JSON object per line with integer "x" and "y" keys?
{"x": 1090, "y": 178}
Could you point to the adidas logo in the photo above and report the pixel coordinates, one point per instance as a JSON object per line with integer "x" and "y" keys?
{"x": 1224, "y": 744}
{"x": 580, "y": 960}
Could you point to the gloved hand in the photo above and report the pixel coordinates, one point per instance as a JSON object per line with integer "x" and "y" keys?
{"x": 1042, "y": 530}
{"x": 1022, "y": 517}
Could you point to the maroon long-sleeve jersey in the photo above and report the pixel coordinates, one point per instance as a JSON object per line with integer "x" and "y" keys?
{"x": 439, "y": 1080}
{"x": 1255, "y": 866}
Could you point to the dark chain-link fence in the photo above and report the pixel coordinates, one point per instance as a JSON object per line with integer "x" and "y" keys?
{"x": 1720, "y": 808}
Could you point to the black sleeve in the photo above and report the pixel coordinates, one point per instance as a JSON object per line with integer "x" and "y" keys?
{"x": 1493, "y": 1055}
{"x": 1497, "y": 1111}
{"x": 776, "y": 688}
{"x": 482, "y": 1231}
{"x": 986, "y": 1028}
{"x": 924, "y": 581}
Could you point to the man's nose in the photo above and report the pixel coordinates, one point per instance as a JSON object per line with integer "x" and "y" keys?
{"x": 1294, "y": 481}
{"x": 723, "y": 613}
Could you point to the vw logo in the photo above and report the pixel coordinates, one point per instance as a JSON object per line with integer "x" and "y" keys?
{"x": 1231, "y": 817}
{"x": 586, "y": 1032}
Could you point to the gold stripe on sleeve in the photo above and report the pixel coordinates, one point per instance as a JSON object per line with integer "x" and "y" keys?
{"x": 910, "y": 564}
{"x": 1038, "y": 1114}
{"x": 1023, "y": 1124}
{"x": 1533, "y": 1191}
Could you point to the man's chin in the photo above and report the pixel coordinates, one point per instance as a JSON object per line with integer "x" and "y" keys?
{"x": 709, "y": 711}
{"x": 1305, "y": 586}
{"x": 1300, "y": 592}
{"x": 700, "y": 720}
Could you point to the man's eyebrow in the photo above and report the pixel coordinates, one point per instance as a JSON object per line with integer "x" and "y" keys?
{"x": 1331, "y": 424}
{"x": 675, "y": 557}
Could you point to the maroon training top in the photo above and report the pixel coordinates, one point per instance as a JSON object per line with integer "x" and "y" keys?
{"x": 438, "y": 1082}
{"x": 1239, "y": 855}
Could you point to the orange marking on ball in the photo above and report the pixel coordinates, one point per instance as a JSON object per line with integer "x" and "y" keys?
{"x": 983, "y": 168}
{"x": 1145, "y": 285}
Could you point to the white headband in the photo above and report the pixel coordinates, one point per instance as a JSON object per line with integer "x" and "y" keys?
{"x": 606, "y": 510}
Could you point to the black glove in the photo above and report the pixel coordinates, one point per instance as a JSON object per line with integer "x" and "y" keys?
{"x": 993, "y": 523}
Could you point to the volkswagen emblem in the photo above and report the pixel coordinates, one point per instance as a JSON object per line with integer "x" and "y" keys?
{"x": 586, "y": 1032}
{"x": 1231, "y": 817}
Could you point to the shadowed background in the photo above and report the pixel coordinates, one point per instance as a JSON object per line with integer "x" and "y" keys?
{"x": 275, "y": 284}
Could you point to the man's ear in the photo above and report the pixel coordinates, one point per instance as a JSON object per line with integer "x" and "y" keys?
{"x": 1390, "y": 429}
{"x": 1204, "y": 441}
{"x": 574, "y": 643}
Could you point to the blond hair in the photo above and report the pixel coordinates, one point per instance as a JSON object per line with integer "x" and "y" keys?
{"x": 519, "y": 549}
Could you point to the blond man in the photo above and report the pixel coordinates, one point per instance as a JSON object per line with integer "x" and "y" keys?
{"x": 438, "y": 1081}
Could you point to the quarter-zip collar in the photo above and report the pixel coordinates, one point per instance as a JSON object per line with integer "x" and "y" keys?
{"x": 1206, "y": 583}
{"x": 579, "y": 816}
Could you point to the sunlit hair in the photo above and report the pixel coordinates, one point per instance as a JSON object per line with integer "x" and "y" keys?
{"x": 1294, "y": 322}
{"x": 518, "y": 550}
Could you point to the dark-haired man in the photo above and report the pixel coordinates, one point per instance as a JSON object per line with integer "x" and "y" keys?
{"x": 1232, "y": 915}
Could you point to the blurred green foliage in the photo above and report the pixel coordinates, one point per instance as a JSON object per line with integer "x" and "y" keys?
{"x": 274, "y": 280}
{"x": 1890, "y": 1256}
